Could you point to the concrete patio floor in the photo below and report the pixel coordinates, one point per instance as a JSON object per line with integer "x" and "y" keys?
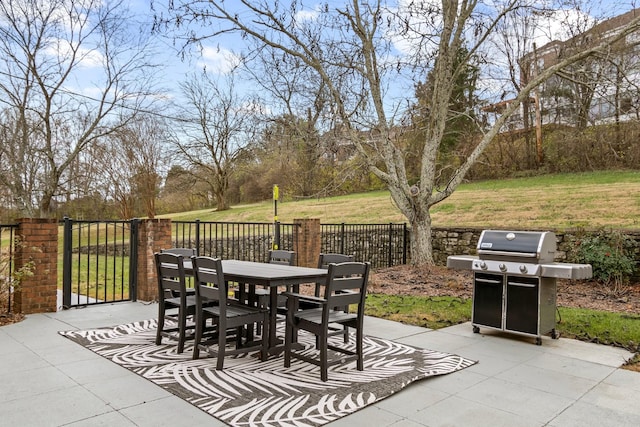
{"x": 48, "y": 380}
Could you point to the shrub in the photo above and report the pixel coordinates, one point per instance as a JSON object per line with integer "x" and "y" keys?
{"x": 608, "y": 254}
{"x": 10, "y": 278}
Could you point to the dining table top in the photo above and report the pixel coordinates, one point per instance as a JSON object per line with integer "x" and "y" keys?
{"x": 262, "y": 273}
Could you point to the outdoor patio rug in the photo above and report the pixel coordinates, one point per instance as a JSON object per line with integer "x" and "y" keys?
{"x": 253, "y": 393}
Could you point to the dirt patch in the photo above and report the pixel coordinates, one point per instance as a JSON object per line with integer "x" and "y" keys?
{"x": 441, "y": 281}
{"x": 8, "y": 318}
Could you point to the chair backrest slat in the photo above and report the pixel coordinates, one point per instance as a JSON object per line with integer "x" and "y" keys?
{"x": 282, "y": 257}
{"x": 331, "y": 258}
{"x": 209, "y": 279}
{"x": 171, "y": 284}
{"x": 345, "y": 299}
{"x": 185, "y": 252}
{"x": 170, "y": 272}
{"x": 325, "y": 259}
{"x": 347, "y": 284}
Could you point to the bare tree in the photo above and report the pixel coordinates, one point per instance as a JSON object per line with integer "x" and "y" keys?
{"x": 180, "y": 191}
{"x": 296, "y": 129}
{"x": 213, "y": 125}
{"x": 53, "y": 107}
{"x": 353, "y": 41}
{"x": 515, "y": 39}
{"x": 132, "y": 158}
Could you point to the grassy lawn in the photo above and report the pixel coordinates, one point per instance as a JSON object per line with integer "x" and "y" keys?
{"x": 428, "y": 312}
{"x": 619, "y": 329}
{"x": 549, "y": 201}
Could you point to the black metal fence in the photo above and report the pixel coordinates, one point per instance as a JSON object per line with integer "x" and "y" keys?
{"x": 99, "y": 258}
{"x": 247, "y": 241}
{"x": 7, "y": 252}
{"x": 383, "y": 245}
{"x": 99, "y": 262}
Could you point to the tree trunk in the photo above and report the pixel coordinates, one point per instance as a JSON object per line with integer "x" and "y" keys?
{"x": 420, "y": 220}
{"x": 421, "y": 241}
{"x": 221, "y": 201}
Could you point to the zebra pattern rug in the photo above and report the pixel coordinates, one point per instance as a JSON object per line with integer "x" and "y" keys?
{"x": 249, "y": 392}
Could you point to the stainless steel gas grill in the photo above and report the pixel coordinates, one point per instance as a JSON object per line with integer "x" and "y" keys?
{"x": 514, "y": 281}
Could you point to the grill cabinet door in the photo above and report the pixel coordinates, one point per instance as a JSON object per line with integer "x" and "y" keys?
{"x": 522, "y": 304}
{"x": 487, "y": 300}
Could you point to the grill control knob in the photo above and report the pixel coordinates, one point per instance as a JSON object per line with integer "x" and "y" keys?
{"x": 483, "y": 265}
{"x": 502, "y": 267}
{"x": 523, "y": 269}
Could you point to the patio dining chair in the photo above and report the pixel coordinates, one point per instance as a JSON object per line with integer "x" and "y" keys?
{"x": 186, "y": 253}
{"x": 346, "y": 286}
{"x": 173, "y": 296}
{"x": 280, "y": 257}
{"x": 323, "y": 262}
{"x": 212, "y": 302}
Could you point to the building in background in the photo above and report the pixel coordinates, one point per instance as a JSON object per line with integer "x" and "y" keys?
{"x": 600, "y": 89}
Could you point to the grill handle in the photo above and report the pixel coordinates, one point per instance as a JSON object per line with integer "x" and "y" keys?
{"x": 488, "y": 281}
{"x": 505, "y": 253}
{"x": 522, "y": 285}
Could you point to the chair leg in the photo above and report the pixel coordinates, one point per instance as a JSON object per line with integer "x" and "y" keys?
{"x": 198, "y": 337}
{"x": 222, "y": 345}
{"x": 324, "y": 376}
{"x": 182, "y": 326}
{"x": 261, "y": 302}
{"x": 288, "y": 339}
{"x": 240, "y": 331}
{"x": 359, "y": 348}
{"x": 265, "y": 339}
{"x": 345, "y": 327}
{"x": 160, "y": 323}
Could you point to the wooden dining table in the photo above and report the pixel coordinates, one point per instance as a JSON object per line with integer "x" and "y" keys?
{"x": 272, "y": 276}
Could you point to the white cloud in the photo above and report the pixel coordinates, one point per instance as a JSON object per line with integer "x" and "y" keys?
{"x": 86, "y": 58}
{"x": 257, "y": 108}
{"x": 306, "y": 15}
{"x": 219, "y": 60}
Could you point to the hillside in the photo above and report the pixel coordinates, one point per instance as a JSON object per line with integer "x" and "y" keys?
{"x": 598, "y": 199}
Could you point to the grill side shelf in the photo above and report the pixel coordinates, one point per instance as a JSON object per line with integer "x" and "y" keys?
{"x": 567, "y": 271}
{"x": 461, "y": 262}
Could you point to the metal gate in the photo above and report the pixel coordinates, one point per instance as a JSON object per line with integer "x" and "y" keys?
{"x": 99, "y": 262}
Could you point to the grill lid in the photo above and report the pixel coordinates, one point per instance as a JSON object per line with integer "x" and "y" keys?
{"x": 534, "y": 246}
{"x": 523, "y": 253}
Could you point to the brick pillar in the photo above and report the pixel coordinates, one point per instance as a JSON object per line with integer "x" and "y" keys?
{"x": 307, "y": 242}
{"x": 37, "y": 251}
{"x": 153, "y": 235}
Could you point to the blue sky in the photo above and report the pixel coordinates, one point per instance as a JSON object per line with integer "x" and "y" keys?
{"x": 220, "y": 55}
